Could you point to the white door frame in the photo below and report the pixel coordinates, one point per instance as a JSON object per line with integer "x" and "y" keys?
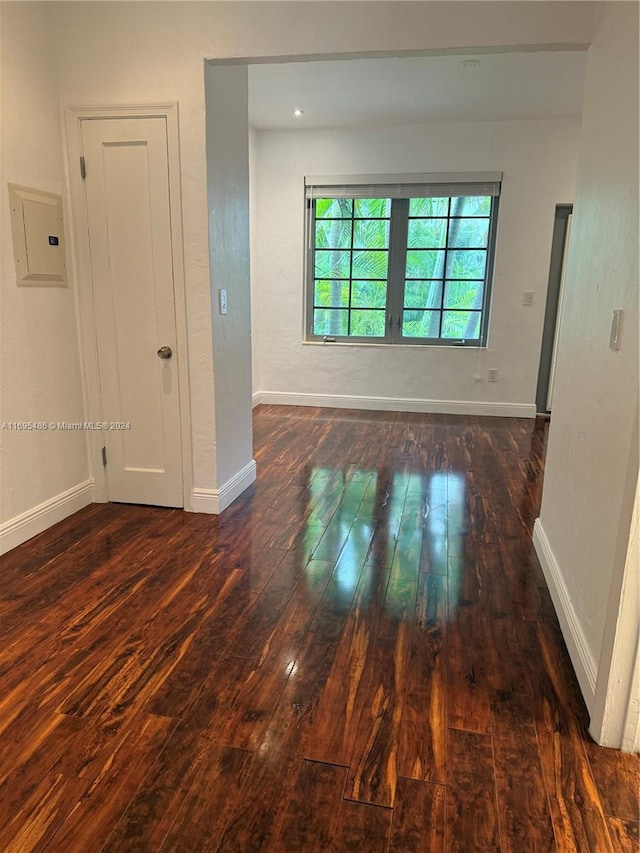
{"x": 615, "y": 717}
{"x": 81, "y": 260}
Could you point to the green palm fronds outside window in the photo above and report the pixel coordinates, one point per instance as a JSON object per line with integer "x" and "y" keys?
{"x": 438, "y": 259}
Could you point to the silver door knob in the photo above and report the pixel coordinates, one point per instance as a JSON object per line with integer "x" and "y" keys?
{"x": 165, "y": 352}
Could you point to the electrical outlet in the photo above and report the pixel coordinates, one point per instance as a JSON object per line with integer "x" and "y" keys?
{"x": 492, "y": 374}
{"x": 527, "y": 298}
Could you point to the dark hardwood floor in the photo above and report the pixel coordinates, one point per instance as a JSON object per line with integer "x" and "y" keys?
{"x": 359, "y": 655}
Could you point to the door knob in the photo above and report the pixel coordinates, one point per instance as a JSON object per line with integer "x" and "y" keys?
{"x": 165, "y": 352}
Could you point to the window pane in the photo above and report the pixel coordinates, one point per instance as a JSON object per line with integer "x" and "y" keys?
{"x": 333, "y": 234}
{"x": 424, "y": 264}
{"x": 427, "y": 233}
{"x": 446, "y": 257}
{"x": 332, "y": 264}
{"x": 461, "y": 324}
{"x": 423, "y": 294}
{"x": 338, "y": 207}
{"x": 428, "y": 207}
{"x": 369, "y": 294}
{"x": 420, "y": 324}
{"x": 330, "y": 321}
{"x": 469, "y": 233}
{"x": 371, "y": 234}
{"x": 331, "y": 293}
{"x": 466, "y": 264}
{"x": 372, "y": 208}
{"x": 463, "y": 294}
{"x": 368, "y": 324}
{"x": 471, "y": 206}
{"x": 370, "y": 264}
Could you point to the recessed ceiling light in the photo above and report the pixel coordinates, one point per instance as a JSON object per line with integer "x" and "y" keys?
{"x": 469, "y": 63}
{"x": 298, "y": 112}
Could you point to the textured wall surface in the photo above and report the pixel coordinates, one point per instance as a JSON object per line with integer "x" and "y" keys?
{"x": 538, "y": 160}
{"x": 228, "y": 182}
{"x": 592, "y": 460}
{"x": 40, "y": 361}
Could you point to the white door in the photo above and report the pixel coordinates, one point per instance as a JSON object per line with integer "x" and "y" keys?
{"x": 129, "y": 225}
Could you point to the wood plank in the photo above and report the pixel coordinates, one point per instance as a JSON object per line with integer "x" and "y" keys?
{"x": 29, "y": 750}
{"x": 311, "y": 817}
{"x": 336, "y": 721}
{"x": 209, "y": 800}
{"x": 496, "y": 589}
{"x": 338, "y": 529}
{"x": 422, "y": 747}
{"x": 407, "y": 556}
{"x": 41, "y": 815}
{"x": 390, "y": 497}
{"x": 625, "y": 836}
{"x": 525, "y": 820}
{"x": 434, "y": 556}
{"x": 576, "y": 809}
{"x": 362, "y": 828}
{"x": 256, "y": 820}
{"x": 472, "y": 813}
{"x": 373, "y": 769}
{"x": 138, "y": 667}
{"x": 505, "y": 664}
{"x": 120, "y": 764}
{"x": 151, "y": 813}
{"x": 467, "y": 682}
{"x": 261, "y": 684}
{"x": 617, "y": 777}
{"x": 252, "y": 628}
{"x": 418, "y": 824}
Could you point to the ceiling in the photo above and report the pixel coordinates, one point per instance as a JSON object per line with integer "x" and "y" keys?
{"x": 370, "y": 92}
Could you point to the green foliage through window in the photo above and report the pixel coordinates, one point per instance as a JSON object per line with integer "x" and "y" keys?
{"x": 401, "y": 269}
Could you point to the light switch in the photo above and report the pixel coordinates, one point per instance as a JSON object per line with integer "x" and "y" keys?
{"x": 223, "y": 301}
{"x": 616, "y": 328}
{"x": 38, "y": 236}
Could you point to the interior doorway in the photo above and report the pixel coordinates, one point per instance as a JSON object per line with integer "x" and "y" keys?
{"x": 553, "y": 309}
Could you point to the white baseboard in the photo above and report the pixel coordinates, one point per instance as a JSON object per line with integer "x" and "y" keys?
{"x": 17, "y": 530}
{"x": 214, "y": 501}
{"x": 397, "y": 404}
{"x": 582, "y": 658}
{"x": 255, "y": 400}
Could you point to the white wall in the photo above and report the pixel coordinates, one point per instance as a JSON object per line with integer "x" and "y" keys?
{"x": 592, "y": 459}
{"x": 153, "y": 52}
{"x": 228, "y": 189}
{"x": 538, "y": 160}
{"x": 40, "y": 365}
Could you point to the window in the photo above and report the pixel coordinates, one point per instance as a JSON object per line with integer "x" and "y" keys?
{"x": 402, "y": 262}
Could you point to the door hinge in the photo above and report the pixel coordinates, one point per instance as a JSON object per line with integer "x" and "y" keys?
{"x": 104, "y": 455}
{"x": 83, "y": 169}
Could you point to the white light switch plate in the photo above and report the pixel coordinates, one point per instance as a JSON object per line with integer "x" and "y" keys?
{"x": 616, "y": 328}
{"x": 223, "y": 301}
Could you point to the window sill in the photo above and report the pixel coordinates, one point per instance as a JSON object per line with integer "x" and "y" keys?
{"x": 392, "y": 346}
